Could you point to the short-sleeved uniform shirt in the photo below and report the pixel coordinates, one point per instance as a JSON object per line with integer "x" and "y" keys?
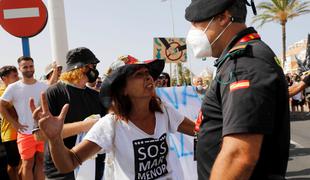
{"x": 248, "y": 95}
{"x": 82, "y": 103}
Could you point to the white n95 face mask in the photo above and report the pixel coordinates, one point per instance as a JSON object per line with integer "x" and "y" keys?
{"x": 198, "y": 41}
{"x": 199, "y": 87}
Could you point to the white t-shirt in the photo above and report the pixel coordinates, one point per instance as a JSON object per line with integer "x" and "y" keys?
{"x": 137, "y": 155}
{"x": 297, "y": 97}
{"x": 19, "y": 94}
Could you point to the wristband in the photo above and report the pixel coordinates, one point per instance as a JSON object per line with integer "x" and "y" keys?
{"x": 35, "y": 130}
{"x": 76, "y": 157}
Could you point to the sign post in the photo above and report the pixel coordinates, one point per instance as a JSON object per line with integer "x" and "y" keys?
{"x": 23, "y": 19}
{"x": 26, "y": 47}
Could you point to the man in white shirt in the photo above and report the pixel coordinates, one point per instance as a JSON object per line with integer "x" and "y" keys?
{"x": 18, "y": 94}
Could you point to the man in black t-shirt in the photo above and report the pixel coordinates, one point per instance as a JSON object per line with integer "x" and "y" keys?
{"x": 245, "y": 129}
{"x": 83, "y": 102}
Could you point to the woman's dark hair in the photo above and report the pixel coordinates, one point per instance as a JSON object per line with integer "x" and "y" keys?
{"x": 167, "y": 78}
{"x": 122, "y": 105}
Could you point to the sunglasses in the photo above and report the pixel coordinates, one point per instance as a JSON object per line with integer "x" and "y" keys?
{"x": 161, "y": 77}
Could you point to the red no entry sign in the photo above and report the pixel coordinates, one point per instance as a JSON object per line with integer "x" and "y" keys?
{"x": 23, "y": 18}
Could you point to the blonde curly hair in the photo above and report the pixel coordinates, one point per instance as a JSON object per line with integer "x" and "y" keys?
{"x": 73, "y": 76}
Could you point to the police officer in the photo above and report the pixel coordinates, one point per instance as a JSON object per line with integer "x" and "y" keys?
{"x": 245, "y": 130}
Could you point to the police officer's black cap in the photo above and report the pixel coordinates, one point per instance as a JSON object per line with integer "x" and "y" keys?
{"x": 80, "y": 57}
{"x": 201, "y": 10}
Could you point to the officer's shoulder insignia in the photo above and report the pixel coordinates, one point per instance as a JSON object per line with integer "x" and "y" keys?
{"x": 238, "y": 47}
{"x": 277, "y": 61}
{"x": 242, "y": 84}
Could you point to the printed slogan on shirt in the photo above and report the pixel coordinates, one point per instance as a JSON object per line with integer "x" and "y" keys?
{"x": 150, "y": 158}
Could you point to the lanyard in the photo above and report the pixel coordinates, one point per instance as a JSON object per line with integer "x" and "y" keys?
{"x": 239, "y": 47}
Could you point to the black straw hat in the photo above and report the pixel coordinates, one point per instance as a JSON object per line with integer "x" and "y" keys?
{"x": 80, "y": 57}
{"x": 155, "y": 67}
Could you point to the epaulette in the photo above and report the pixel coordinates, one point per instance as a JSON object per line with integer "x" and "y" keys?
{"x": 242, "y": 49}
{"x": 239, "y": 47}
{"x": 239, "y": 50}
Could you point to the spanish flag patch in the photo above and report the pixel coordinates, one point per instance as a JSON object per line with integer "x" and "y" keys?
{"x": 243, "y": 84}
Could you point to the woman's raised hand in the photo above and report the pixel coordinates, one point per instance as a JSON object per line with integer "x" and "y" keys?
{"x": 51, "y": 126}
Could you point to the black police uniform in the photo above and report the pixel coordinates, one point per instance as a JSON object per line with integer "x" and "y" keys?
{"x": 248, "y": 95}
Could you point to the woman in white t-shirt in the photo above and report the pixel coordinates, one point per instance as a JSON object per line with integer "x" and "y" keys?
{"x": 134, "y": 135}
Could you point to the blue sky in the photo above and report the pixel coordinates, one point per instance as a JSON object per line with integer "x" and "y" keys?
{"x": 118, "y": 27}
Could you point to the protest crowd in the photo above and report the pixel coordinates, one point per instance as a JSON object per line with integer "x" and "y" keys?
{"x": 241, "y": 132}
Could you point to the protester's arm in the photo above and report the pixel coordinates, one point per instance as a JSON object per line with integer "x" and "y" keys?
{"x": 296, "y": 88}
{"x": 71, "y": 129}
{"x": 54, "y": 75}
{"x": 5, "y": 112}
{"x": 67, "y": 160}
{"x": 178, "y": 122}
{"x": 237, "y": 157}
{"x": 187, "y": 127}
{"x": 51, "y": 127}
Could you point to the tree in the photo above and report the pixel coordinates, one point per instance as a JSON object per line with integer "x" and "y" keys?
{"x": 281, "y": 11}
{"x": 184, "y": 75}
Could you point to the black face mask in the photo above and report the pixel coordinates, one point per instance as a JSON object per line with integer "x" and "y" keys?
{"x": 92, "y": 75}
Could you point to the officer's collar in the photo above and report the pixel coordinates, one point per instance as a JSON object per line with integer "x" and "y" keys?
{"x": 232, "y": 43}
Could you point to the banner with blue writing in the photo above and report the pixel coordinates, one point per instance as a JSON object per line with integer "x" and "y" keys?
{"x": 187, "y": 102}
